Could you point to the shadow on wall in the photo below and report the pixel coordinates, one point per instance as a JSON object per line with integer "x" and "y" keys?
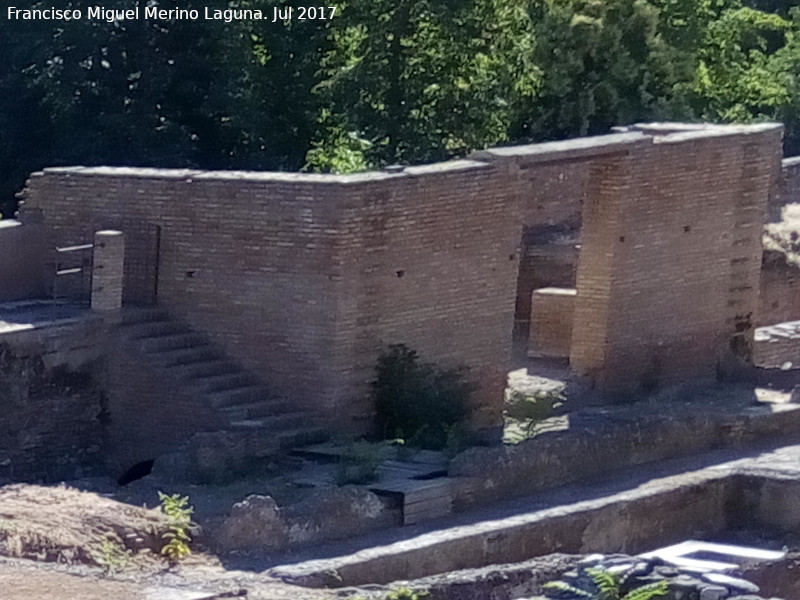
{"x": 22, "y": 260}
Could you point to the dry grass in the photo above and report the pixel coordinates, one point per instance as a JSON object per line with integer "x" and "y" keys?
{"x": 65, "y": 525}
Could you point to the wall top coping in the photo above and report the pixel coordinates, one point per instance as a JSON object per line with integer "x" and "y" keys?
{"x": 792, "y": 161}
{"x": 693, "y": 132}
{"x": 190, "y": 175}
{"x": 9, "y": 223}
{"x": 585, "y": 147}
{"x": 574, "y": 149}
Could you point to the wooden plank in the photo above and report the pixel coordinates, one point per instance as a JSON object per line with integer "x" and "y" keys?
{"x": 426, "y": 510}
{"x": 411, "y": 486}
{"x": 429, "y": 503}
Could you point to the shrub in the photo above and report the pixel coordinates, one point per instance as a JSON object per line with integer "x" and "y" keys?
{"x": 416, "y": 401}
{"x": 529, "y": 410}
{"x": 112, "y": 556}
{"x": 610, "y": 586}
{"x": 179, "y": 514}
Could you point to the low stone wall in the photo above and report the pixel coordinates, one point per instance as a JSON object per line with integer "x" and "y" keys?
{"x": 53, "y": 410}
{"x": 258, "y": 524}
{"x": 778, "y": 346}
{"x": 602, "y": 442}
{"x": 552, "y": 310}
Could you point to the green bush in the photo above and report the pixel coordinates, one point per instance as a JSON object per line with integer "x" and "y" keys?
{"x": 416, "y": 401}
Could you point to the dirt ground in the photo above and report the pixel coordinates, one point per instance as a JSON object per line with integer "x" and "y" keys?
{"x": 60, "y": 543}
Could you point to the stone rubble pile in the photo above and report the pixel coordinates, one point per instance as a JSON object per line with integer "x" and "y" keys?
{"x": 634, "y": 572}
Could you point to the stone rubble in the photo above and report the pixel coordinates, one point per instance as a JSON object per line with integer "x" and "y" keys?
{"x": 635, "y": 572}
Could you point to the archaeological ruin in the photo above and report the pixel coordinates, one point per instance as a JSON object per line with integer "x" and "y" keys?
{"x": 213, "y": 331}
{"x": 256, "y": 302}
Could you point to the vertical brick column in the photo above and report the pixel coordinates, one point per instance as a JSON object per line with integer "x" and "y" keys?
{"x": 107, "y": 275}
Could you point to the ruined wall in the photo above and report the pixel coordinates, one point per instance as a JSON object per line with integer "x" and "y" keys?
{"x": 429, "y": 259}
{"x": 53, "y": 411}
{"x": 779, "y": 298}
{"x": 247, "y": 259}
{"x": 306, "y": 278}
{"x": 671, "y": 256}
{"x": 22, "y": 258}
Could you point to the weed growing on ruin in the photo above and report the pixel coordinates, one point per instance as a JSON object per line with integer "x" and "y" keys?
{"x": 418, "y": 401}
{"x": 359, "y": 463}
{"x": 528, "y": 411}
{"x": 611, "y": 586}
{"x": 112, "y": 556}
{"x": 406, "y": 594}
{"x": 179, "y": 514}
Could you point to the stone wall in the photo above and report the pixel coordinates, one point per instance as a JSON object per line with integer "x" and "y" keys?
{"x": 552, "y": 312}
{"x": 21, "y": 261}
{"x": 53, "y": 411}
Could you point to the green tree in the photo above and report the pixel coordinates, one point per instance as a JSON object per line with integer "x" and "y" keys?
{"x": 421, "y": 80}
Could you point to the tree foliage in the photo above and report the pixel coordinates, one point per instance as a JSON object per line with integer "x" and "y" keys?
{"x": 385, "y": 81}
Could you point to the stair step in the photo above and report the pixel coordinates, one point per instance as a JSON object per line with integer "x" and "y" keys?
{"x": 268, "y": 405}
{"x": 152, "y": 329}
{"x": 183, "y": 356}
{"x": 132, "y": 316}
{"x": 239, "y": 395}
{"x": 267, "y": 425}
{"x": 206, "y": 368}
{"x": 171, "y": 341}
{"x": 273, "y": 426}
{"x": 259, "y": 410}
{"x": 220, "y": 382}
{"x": 303, "y": 436}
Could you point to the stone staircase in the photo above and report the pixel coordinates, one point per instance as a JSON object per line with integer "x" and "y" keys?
{"x": 251, "y": 419}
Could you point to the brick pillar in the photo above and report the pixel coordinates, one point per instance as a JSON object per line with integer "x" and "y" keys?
{"x": 107, "y": 275}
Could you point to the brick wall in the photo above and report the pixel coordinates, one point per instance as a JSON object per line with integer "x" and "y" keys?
{"x": 429, "y": 259}
{"x": 305, "y": 278}
{"x": 247, "y": 259}
{"x": 671, "y": 255}
{"x": 552, "y": 312}
{"x": 779, "y": 300}
{"x": 52, "y": 407}
{"x": 541, "y": 265}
